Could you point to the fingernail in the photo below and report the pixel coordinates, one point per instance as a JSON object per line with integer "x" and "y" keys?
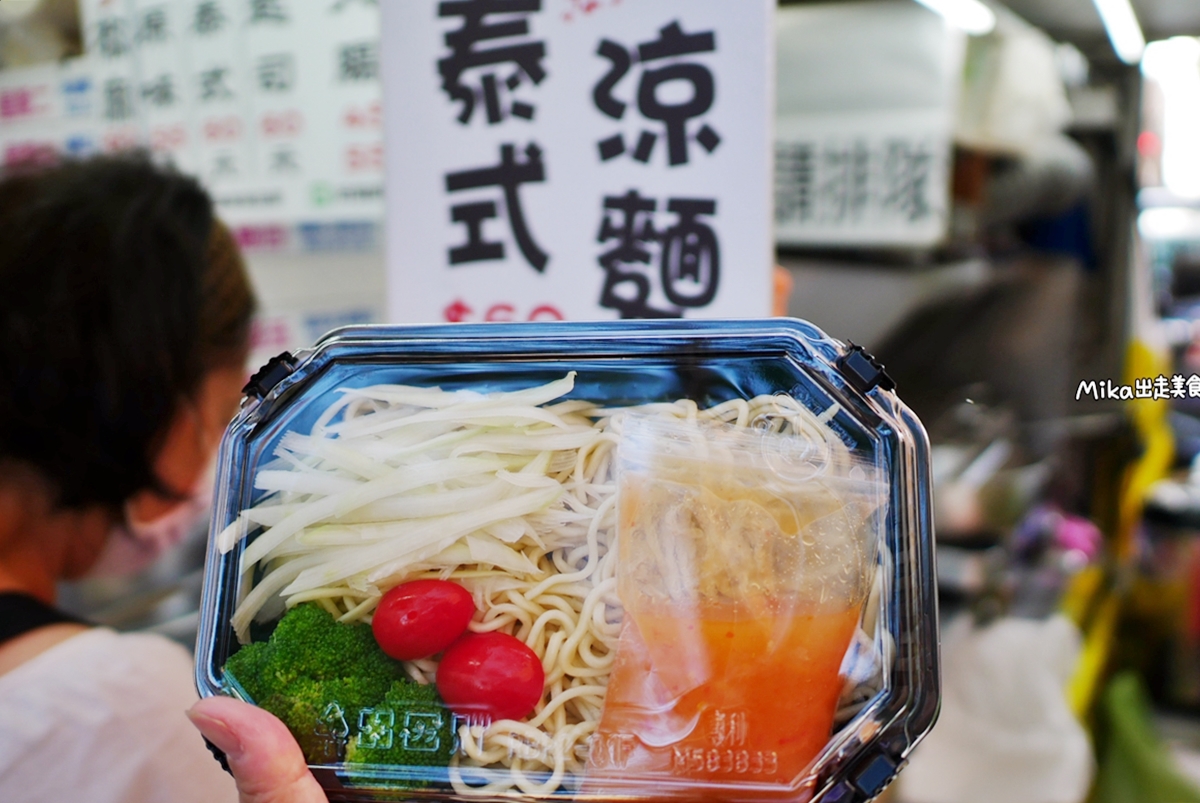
{"x": 216, "y": 731}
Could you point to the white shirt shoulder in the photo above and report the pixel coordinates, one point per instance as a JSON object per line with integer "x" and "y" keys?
{"x": 100, "y": 717}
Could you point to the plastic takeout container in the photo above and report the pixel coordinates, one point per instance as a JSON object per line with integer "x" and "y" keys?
{"x": 714, "y": 538}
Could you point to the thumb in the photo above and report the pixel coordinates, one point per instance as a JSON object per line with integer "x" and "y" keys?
{"x": 263, "y": 756}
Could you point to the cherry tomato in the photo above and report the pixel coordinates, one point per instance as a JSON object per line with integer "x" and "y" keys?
{"x": 422, "y": 617}
{"x": 490, "y": 674}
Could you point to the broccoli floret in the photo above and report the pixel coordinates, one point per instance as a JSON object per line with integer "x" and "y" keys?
{"x": 411, "y": 730}
{"x": 411, "y": 727}
{"x": 246, "y": 665}
{"x": 310, "y": 643}
{"x": 322, "y": 714}
{"x": 316, "y": 674}
{"x": 342, "y": 697}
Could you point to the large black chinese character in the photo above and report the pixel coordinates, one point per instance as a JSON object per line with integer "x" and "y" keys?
{"x": 159, "y": 92}
{"x": 906, "y": 179}
{"x": 111, "y": 37}
{"x": 671, "y": 43}
{"x": 208, "y": 18}
{"x": 359, "y": 61}
{"x": 276, "y": 72}
{"x": 213, "y": 86}
{"x": 688, "y": 256}
{"x": 118, "y": 99}
{"x": 627, "y": 288}
{"x": 526, "y": 57}
{"x": 509, "y": 175}
{"x": 846, "y": 180}
{"x": 795, "y": 181}
{"x": 152, "y": 27}
{"x": 267, "y": 11}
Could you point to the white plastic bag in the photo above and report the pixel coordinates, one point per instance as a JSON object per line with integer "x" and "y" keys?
{"x": 1006, "y": 733}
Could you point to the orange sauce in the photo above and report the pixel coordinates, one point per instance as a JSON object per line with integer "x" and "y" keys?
{"x": 720, "y": 694}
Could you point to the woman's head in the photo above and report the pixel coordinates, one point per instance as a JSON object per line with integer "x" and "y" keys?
{"x": 124, "y": 321}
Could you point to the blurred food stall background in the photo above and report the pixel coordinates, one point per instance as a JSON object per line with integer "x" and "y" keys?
{"x": 1001, "y": 201}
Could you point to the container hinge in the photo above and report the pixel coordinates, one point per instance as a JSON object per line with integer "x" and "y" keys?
{"x": 863, "y": 371}
{"x": 875, "y": 776}
{"x": 277, "y": 369}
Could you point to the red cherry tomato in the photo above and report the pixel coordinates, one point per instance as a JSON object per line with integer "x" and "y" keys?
{"x": 492, "y": 675}
{"x": 420, "y": 618}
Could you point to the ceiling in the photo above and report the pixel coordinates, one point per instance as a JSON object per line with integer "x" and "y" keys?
{"x": 1078, "y": 19}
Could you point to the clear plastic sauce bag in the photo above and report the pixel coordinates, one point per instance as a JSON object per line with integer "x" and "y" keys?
{"x": 745, "y": 558}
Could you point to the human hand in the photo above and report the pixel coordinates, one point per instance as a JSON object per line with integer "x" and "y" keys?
{"x": 263, "y": 756}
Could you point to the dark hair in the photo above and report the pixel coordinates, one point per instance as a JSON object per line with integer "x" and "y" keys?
{"x": 120, "y": 290}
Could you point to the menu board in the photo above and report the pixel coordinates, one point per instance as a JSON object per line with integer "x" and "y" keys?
{"x": 866, "y": 103}
{"x": 274, "y": 104}
{"x": 554, "y": 160}
{"x": 858, "y": 179}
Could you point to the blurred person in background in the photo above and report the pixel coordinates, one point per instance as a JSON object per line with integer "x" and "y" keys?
{"x": 125, "y": 317}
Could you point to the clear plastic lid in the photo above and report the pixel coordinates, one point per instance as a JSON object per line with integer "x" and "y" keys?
{"x": 627, "y": 560}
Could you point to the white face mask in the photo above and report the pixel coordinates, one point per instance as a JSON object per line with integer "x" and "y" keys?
{"x": 134, "y": 545}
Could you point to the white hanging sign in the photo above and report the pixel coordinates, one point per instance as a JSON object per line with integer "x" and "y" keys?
{"x": 866, "y": 106}
{"x": 578, "y": 159}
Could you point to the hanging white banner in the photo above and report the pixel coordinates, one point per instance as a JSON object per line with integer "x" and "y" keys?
{"x": 562, "y": 159}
